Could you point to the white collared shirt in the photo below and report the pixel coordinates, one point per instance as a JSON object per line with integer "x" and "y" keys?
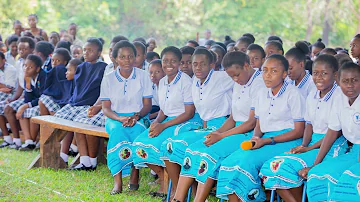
{"x": 126, "y": 95}
{"x": 175, "y": 95}
{"x": 306, "y": 85}
{"x": 212, "y": 99}
{"x": 346, "y": 118}
{"x": 146, "y": 66}
{"x": 318, "y": 109}
{"x": 280, "y": 111}
{"x": 20, "y": 69}
{"x": 8, "y": 77}
{"x": 155, "y": 99}
{"x": 245, "y": 97}
{"x": 108, "y": 69}
{"x": 10, "y": 59}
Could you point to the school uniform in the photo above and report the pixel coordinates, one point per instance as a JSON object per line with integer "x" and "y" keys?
{"x": 337, "y": 179}
{"x": 145, "y": 66}
{"x": 126, "y": 102}
{"x": 47, "y": 65}
{"x": 58, "y": 90}
{"x": 212, "y": 100}
{"x": 173, "y": 97}
{"x": 276, "y": 115}
{"x": 20, "y": 69}
{"x": 8, "y": 77}
{"x": 281, "y": 172}
{"x": 10, "y": 59}
{"x": 155, "y": 100}
{"x": 306, "y": 85}
{"x": 206, "y": 160}
{"x": 87, "y": 81}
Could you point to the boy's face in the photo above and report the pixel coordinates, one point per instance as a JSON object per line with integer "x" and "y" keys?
{"x": 54, "y": 39}
{"x": 91, "y": 52}
{"x": 31, "y": 69}
{"x": 140, "y": 57}
{"x": 350, "y": 83}
{"x": 13, "y": 48}
{"x": 201, "y": 66}
{"x": 70, "y": 72}
{"x": 256, "y": 59}
{"x": 185, "y": 65}
{"x": 24, "y": 49}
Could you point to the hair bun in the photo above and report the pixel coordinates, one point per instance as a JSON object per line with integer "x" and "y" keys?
{"x": 319, "y": 40}
{"x": 302, "y": 47}
{"x": 227, "y": 38}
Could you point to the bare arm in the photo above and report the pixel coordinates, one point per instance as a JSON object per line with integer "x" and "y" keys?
{"x": 243, "y": 128}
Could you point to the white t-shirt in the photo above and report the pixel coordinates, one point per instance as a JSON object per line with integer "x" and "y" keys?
{"x": 8, "y": 77}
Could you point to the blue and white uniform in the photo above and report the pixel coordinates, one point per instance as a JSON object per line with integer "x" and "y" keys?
{"x": 306, "y": 85}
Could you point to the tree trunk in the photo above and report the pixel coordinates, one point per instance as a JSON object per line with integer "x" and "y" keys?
{"x": 326, "y": 28}
{"x": 309, "y": 20}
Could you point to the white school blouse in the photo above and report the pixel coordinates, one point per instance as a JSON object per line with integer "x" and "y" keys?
{"x": 306, "y": 85}
{"x": 8, "y": 77}
{"x": 346, "y": 118}
{"x": 245, "y": 96}
{"x": 175, "y": 95}
{"x": 126, "y": 95}
{"x": 10, "y": 59}
{"x": 280, "y": 111}
{"x": 155, "y": 99}
{"x": 318, "y": 109}
{"x": 212, "y": 99}
{"x": 20, "y": 72}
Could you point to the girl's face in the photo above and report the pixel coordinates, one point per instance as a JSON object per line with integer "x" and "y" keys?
{"x": 57, "y": 59}
{"x": 295, "y": 68}
{"x": 156, "y": 73}
{"x": 170, "y": 64}
{"x": 201, "y": 66}
{"x": 256, "y": 59}
{"x": 32, "y": 21}
{"x": 323, "y": 77}
{"x": 273, "y": 73}
{"x": 110, "y": 52}
{"x": 140, "y": 57}
{"x": 185, "y": 65}
{"x": 126, "y": 59}
{"x": 238, "y": 74}
{"x": 271, "y": 50}
{"x": 77, "y": 53}
{"x": 314, "y": 51}
{"x": 355, "y": 48}
{"x": 24, "y": 49}
{"x": 241, "y": 46}
{"x": 13, "y": 48}
{"x": 31, "y": 70}
{"x": 91, "y": 52}
{"x": 350, "y": 83}
{"x": 70, "y": 72}
{"x": 18, "y": 29}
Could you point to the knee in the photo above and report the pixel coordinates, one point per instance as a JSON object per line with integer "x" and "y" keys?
{"x": 41, "y": 104}
{"x": 8, "y": 110}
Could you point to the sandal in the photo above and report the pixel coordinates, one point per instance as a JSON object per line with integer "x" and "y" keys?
{"x": 114, "y": 192}
{"x": 133, "y": 187}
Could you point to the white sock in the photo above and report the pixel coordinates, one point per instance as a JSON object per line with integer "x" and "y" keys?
{"x": 74, "y": 148}
{"x": 17, "y": 141}
{"x": 152, "y": 172}
{"x": 93, "y": 162}
{"x": 8, "y": 139}
{"x": 64, "y": 156}
{"x": 85, "y": 160}
{"x": 27, "y": 142}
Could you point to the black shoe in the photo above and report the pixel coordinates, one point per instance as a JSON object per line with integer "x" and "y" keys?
{"x": 5, "y": 144}
{"x": 82, "y": 167}
{"x": 14, "y": 146}
{"x": 72, "y": 153}
{"x": 28, "y": 147}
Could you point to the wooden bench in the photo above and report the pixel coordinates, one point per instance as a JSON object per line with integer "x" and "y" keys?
{"x": 52, "y": 131}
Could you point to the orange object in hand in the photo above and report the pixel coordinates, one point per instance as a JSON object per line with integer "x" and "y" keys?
{"x": 247, "y": 145}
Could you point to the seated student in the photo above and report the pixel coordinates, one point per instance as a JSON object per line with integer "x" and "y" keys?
{"x": 54, "y": 38}
{"x": 273, "y": 47}
{"x": 76, "y": 51}
{"x": 243, "y": 43}
{"x": 354, "y": 48}
{"x": 297, "y": 74}
{"x": 8, "y": 78}
{"x": 207, "y": 153}
{"x": 176, "y": 115}
{"x": 316, "y": 48}
{"x": 126, "y": 112}
{"x": 220, "y": 52}
{"x": 26, "y": 46}
{"x": 151, "y": 44}
{"x": 87, "y": 81}
{"x": 337, "y": 179}
{"x": 257, "y": 56}
{"x": 150, "y": 56}
{"x": 281, "y": 172}
{"x": 211, "y": 91}
{"x": 44, "y": 49}
{"x": 11, "y": 55}
{"x": 156, "y": 74}
{"x": 185, "y": 63}
{"x": 192, "y": 43}
{"x": 280, "y": 125}
{"x": 140, "y": 61}
{"x": 30, "y": 108}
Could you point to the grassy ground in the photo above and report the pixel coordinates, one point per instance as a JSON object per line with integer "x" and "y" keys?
{"x": 19, "y": 184}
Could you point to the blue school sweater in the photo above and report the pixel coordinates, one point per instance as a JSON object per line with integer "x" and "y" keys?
{"x": 87, "y": 80}
{"x": 47, "y": 65}
{"x": 57, "y": 86}
{"x": 32, "y": 96}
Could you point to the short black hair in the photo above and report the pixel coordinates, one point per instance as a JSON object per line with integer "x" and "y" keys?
{"x": 319, "y": 44}
{"x": 245, "y": 39}
{"x": 64, "y": 53}
{"x": 150, "y": 55}
{"x": 26, "y": 39}
{"x": 257, "y": 48}
{"x": 235, "y": 57}
{"x": 57, "y": 34}
{"x": 206, "y": 52}
{"x": 172, "y": 49}
{"x": 329, "y": 60}
{"x": 140, "y": 45}
{"x": 275, "y": 38}
{"x": 140, "y": 39}
{"x": 12, "y": 38}
{"x": 209, "y": 42}
{"x": 45, "y": 48}
{"x": 63, "y": 44}
{"x": 187, "y": 50}
{"x": 157, "y": 61}
{"x": 35, "y": 59}
{"x": 118, "y": 38}
{"x": 221, "y": 49}
{"x": 281, "y": 59}
{"x": 122, "y": 44}
{"x": 96, "y": 42}
{"x": 277, "y": 44}
{"x": 75, "y": 62}
{"x": 228, "y": 40}
{"x": 342, "y": 58}
{"x": 2, "y": 55}
{"x": 329, "y": 51}
{"x": 196, "y": 44}
{"x": 299, "y": 51}
{"x": 222, "y": 45}
{"x": 214, "y": 57}
{"x": 230, "y": 45}
{"x": 251, "y": 36}
{"x": 349, "y": 66}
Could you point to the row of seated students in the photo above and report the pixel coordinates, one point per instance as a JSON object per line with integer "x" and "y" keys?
{"x": 204, "y": 102}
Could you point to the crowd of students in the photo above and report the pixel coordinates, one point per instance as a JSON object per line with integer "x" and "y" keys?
{"x": 188, "y": 110}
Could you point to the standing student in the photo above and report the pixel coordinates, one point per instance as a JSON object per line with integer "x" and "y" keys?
{"x": 299, "y": 77}
{"x": 151, "y": 44}
{"x": 185, "y": 63}
{"x": 220, "y": 52}
{"x": 126, "y": 112}
{"x": 176, "y": 114}
{"x": 280, "y": 123}
{"x": 273, "y": 47}
{"x": 355, "y": 48}
{"x": 207, "y": 153}
{"x": 243, "y": 43}
{"x": 337, "y": 179}
{"x": 156, "y": 74}
{"x": 256, "y": 55}
{"x": 281, "y": 172}
{"x": 18, "y": 28}
{"x": 140, "y": 61}
{"x": 44, "y": 49}
{"x": 33, "y": 20}
{"x": 11, "y": 55}
{"x": 72, "y": 30}
{"x": 316, "y": 48}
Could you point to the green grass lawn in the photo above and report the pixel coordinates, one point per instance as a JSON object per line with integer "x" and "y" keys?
{"x": 41, "y": 184}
